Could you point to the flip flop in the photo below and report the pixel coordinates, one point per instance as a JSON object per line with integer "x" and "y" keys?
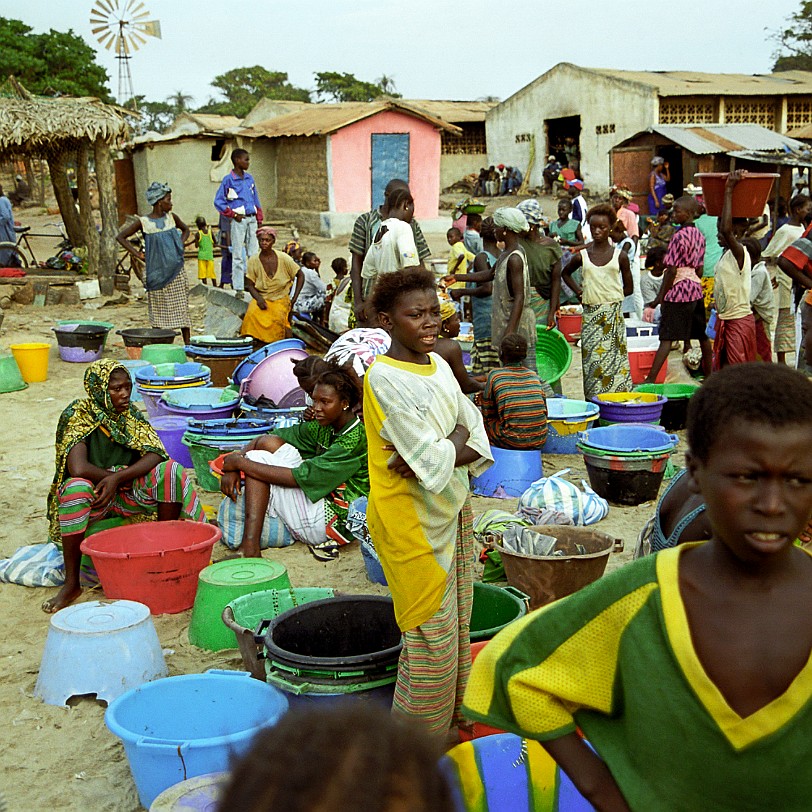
{"x": 324, "y": 551}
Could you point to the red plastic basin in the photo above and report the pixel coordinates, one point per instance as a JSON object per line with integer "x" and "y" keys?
{"x": 154, "y": 563}
{"x": 569, "y": 324}
{"x": 749, "y": 194}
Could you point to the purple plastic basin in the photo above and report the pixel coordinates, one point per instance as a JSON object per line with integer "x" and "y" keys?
{"x": 620, "y": 412}
{"x": 80, "y": 343}
{"x": 273, "y": 378}
{"x": 170, "y": 429}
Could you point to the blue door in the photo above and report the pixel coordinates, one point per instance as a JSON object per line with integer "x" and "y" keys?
{"x": 390, "y": 159}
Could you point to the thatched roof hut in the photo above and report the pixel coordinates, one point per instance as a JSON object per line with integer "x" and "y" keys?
{"x": 63, "y": 130}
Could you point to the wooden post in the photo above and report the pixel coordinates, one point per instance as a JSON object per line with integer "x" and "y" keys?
{"x": 88, "y": 221}
{"x": 108, "y": 247}
{"x": 58, "y": 166}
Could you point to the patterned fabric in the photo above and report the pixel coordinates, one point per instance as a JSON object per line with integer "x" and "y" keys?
{"x": 686, "y": 251}
{"x": 436, "y": 658}
{"x": 800, "y": 255}
{"x": 785, "y": 335}
{"x": 514, "y": 409}
{"x": 484, "y": 357}
{"x": 359, "y": 347}
{"x": 167, "y": 482}
{"x": 735, "y": 341}
{"x": 414, "y": 522}
{"x": 82, "y": 417}
{"x": 503, "y": 306}
{"x": 708, "y": 284}
{"x": 169, "y": 306}
{"x": 366, "y": 227}
{"x": 604, "y": 355}
{"x": 590, "y": 660}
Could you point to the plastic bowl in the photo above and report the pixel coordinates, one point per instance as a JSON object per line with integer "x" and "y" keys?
{"x": 622, "y": 438}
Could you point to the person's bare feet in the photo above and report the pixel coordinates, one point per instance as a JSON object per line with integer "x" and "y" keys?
{"x": 65, "y": 597}
{"x": 249, "y": 550}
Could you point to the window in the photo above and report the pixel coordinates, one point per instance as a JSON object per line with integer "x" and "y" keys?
{"x": 747, "y": 111}
{"x": 673, "y": 111}
{"x": 799, "y": 113}
{"x": 471, "y": 142}
{"x": 217, "y": 149}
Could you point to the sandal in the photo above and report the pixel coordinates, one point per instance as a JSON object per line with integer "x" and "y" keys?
{"x": 324, "y": 551}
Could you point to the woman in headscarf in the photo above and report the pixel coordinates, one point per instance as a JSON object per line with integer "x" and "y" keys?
{"x": 657, "y": 180}
{"x": 109, "y": 462}
{"x": 295, "y": 251}
{"x": 511, "y": 285}
{"x": 165, "y": 280}
{"x": 543, "y": 264}
{"x": 268, "y": 278}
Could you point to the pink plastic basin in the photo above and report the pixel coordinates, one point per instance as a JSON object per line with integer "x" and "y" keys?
{"x": 273, "y": 378}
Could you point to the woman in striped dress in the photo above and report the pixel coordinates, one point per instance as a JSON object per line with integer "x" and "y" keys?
{"x": 165, "y": 280}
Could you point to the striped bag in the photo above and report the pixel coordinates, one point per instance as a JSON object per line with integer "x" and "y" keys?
{"x": 231, "y": 518}
{"x": 555, "y": 500}
{"x": 34, "y": 565}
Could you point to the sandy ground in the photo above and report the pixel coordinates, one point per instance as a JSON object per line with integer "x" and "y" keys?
{"x": 65, "y": 758}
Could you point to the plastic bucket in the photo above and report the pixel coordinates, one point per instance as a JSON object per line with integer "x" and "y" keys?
{"x": 553, "y": 354}
{"x": 199, "y": 794}
{"x": 630, "y": 407}
{"x": 180, "y": 727}
{"x": 569, "y": 324}
{"x": 675, "y": 411}
{"x": 626, "y": 480}
{"x": 80, "y": 343}
{"x": 32, "y": 359}
{"x": 273, "y": 378}
{"x": 163, "y": 354}
{"x": 138, "y": 337}
{"x": 249, "y": 614}
{"x": 640, "y": 364}
{"x": 565, "y": 418}
{"x": 11, "y": 380}
{"x": 750, "y": 194}
{"x": 152, "y": 397}
{"x": 99, "y": 647}
{"x": 625, "y": 437}
{"x": 510, "y": 475}
{"x": 202, "y": 455}
{"x": 218, "y": 585}
{"x": 156, "y": 563}
{"x": 171, "y": 429}
{"x": 493, "y": 609}
{"x": 546, "y": 578}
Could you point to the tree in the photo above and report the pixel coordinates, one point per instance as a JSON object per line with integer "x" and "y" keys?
{"x": 51, "y": 64}
{"x": 345, "y": 87}
{"x": 179, "y": 101}
{"x": 387, "y": 85}
{"x": 154, "y": 116}
{"x": 795, "y": 41}
{"x": 244, "y": 87}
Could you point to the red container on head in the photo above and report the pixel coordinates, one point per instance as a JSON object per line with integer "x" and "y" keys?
{"x": 750, "y": 194}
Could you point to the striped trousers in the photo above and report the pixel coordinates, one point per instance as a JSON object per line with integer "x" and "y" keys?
{"x": 166, "y": 482}
{"x": 436, "y": 658}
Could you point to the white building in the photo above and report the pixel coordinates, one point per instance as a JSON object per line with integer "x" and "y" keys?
{"x": 598, "y": 108}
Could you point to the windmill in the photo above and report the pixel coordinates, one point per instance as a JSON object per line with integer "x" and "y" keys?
{"x": 123, "y": 26}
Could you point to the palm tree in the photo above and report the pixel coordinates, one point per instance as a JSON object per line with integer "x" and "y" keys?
{"x": 387, "y": 85}
{"x": 179, "y": 101}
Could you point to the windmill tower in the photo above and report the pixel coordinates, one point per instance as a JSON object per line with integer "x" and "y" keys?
{"x": 123, "y": 26}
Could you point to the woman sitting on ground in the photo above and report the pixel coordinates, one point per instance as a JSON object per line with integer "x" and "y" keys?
{"x": 307, "y": 474}
{"x": 269, "y": 278}
{"x": 109, "y": 462}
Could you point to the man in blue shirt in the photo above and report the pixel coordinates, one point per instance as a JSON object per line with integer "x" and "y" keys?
{"x": 237, "y": 199}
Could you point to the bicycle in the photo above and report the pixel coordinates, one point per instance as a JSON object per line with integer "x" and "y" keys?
{"x": 23, "y": 233}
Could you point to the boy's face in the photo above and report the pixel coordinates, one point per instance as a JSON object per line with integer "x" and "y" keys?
{"x": 242, "y": 162}
{"x": 662, "y": 218}
{"x": 452, "y": 237}
{"x": 757, "y": 486}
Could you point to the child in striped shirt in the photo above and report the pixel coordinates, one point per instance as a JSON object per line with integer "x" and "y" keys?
{"x": 514, "y": 406}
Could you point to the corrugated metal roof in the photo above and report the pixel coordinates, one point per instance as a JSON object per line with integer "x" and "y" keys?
{"x": 455, "y": 112}
{"x": 212, "y": 121}
{"x": 689, "y": 83}
{"x": 272, "y": 108}
{"x": 323, "y": 119}
{"x": 710, "y": 139}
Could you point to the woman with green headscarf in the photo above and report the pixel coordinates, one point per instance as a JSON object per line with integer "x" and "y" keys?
{"x": 109, "y": 462}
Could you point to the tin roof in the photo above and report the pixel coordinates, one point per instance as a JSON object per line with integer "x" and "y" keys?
{"x": 455, "y": 112}
{"x": 709, "y": 139}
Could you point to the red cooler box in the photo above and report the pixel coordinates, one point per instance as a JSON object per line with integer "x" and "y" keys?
{"x": 642, "y": 350}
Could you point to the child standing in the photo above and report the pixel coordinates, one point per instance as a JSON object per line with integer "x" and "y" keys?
{"x": 735, "y": 341}
{"x": 459, "y": 256}
{"x": 472, "y": 237}
{"x": 680, "y": 297}
{"x": 724, "y": 724}
{"x": 314, "y": 290}
{"x": 607, "y": 279}
{"x": 339, "y": 299}
{"x": 514, "y": 406}
{"x": 761, "y": 300}
{"x": 204, "y": 242}
{"x": 424, "y": 437}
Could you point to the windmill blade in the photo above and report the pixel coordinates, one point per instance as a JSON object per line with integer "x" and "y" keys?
{"x": 107, "y": 40}
{"x": 136, "y": 40}
{"x": 136, "y": 10}
{"x": 151, "y": 28}
{"x": 99, "y": 19}
{"x": 97, "y": 31}
{"x": 137, "y": 19}
{"x": 127, "y": 9}
{"x": 106, "y": 6}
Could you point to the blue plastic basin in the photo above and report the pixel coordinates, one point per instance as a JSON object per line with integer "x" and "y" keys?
{"x": 628, "y": 438}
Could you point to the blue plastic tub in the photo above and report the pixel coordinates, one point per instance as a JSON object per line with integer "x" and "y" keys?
{"x": 511, "y": 474}
{"x": 180, "y": 727}
{"x": 165, "y": 376}
{"x": 624, "y": 438}
{"x": 565, "y": 418}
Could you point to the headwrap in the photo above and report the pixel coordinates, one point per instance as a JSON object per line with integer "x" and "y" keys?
{"x": 668, "y": 200}
{"x": 532, "y": 211}
{"x": 292, "y": 246}
{"x": 447, "y": 309}
{"x": 157, "y": 191}
{"x": 623, "y": 192}
{"x": 84, "y": 416}
{"x": 657, "y": 160}
{"x": 577, "y": 183}
{"x": 266, "y": 230}
{"x": 511, "y": 219}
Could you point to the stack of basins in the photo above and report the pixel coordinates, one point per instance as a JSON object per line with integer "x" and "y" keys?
{"x": 153, "y": 380}
{"x": 626, "y": 463}
{"x": 179, "y": 406}
{"x": 208, "y": 439}
{"x": 630, "y": 407}
{"x": 266, "y": 378}
{"x": 136, "y": 338}
{"x": 221, "y": 355}
{"x": 565, "y": 419}
{"x": 675, "y": 409}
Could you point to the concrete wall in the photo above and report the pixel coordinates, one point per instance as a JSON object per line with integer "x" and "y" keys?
{"x": 454, "y": 167}
{"x": 351, "y": 162}
{"x": 263, "y": 168}
{"x": 301, "y": 173}
{"x": 567, "y": 91}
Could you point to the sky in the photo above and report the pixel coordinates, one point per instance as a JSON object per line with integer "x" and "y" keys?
{"x": 432, "y": 49}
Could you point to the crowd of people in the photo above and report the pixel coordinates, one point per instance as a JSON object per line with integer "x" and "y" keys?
{"x": 396, "y": 420}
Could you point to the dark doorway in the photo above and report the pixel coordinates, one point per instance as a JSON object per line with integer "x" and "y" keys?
{"x": 564, "y": 141}
{"x": 673, "y": 157}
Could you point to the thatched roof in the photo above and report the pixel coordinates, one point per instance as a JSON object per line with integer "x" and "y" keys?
{"x": 37, "y": 125}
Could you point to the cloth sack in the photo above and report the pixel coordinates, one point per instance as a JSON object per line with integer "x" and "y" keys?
{"x": 555, "y": 500}
{"x": 34, "y": 565}
{"x": 231, "y": 518}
